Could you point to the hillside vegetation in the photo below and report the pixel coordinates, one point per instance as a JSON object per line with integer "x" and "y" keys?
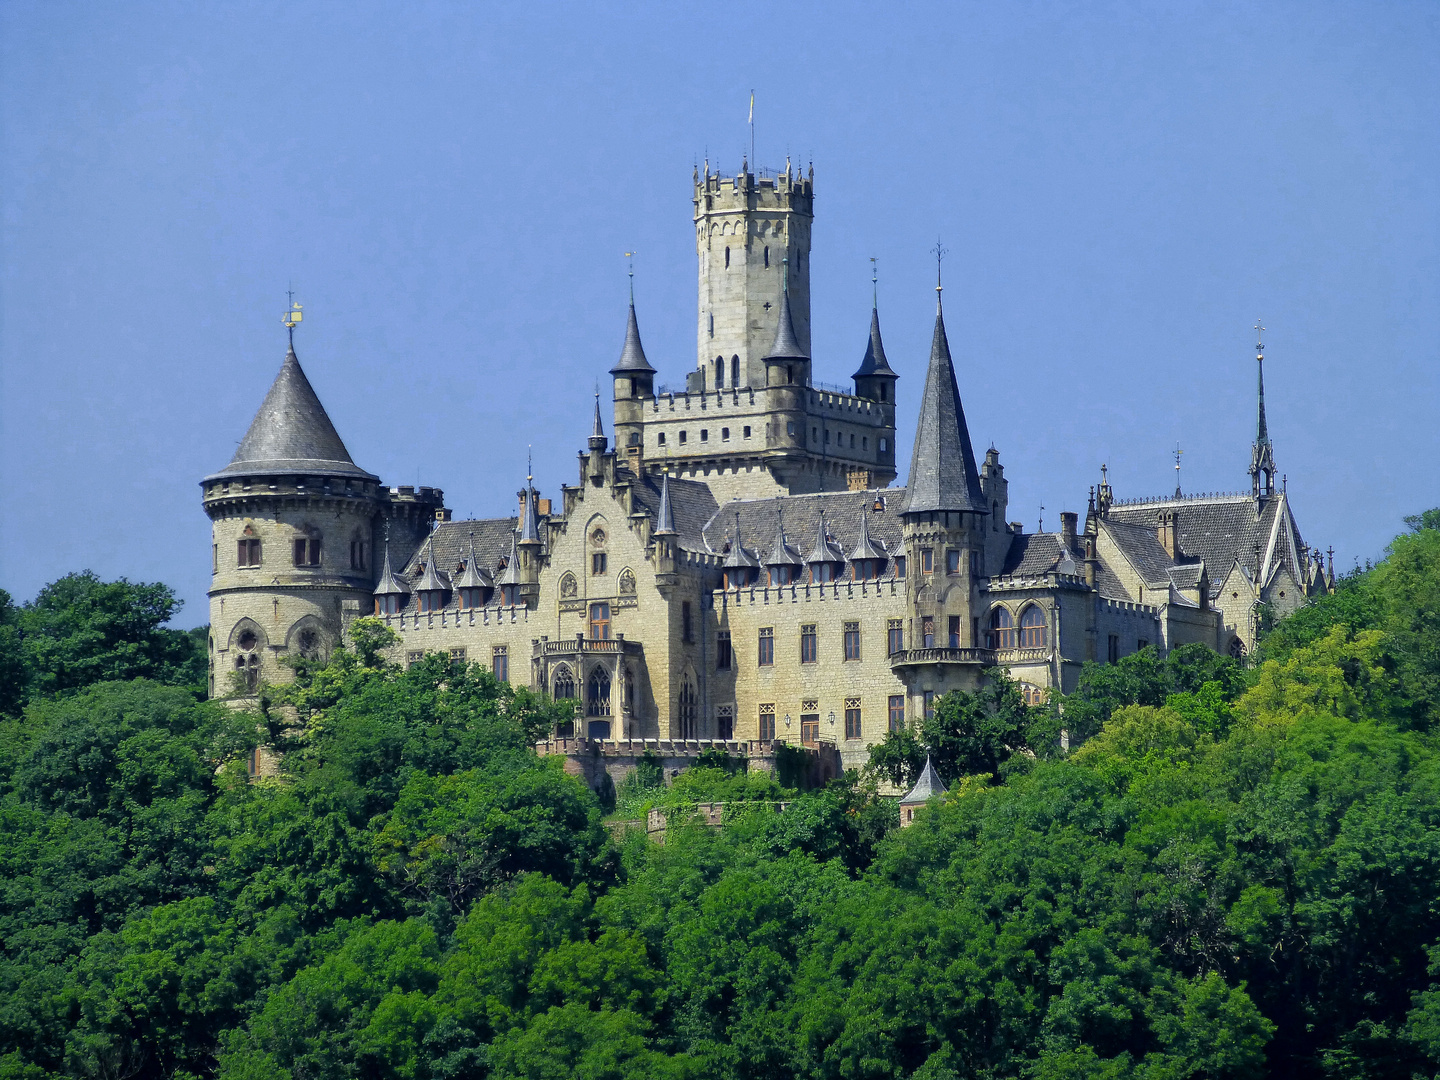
{"x": 1231, "y": 872}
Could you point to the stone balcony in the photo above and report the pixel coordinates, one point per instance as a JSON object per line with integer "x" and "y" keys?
{"x": 911, "y": 658}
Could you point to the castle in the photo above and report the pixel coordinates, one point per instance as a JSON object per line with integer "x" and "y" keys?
{"x": 737, "y": 566}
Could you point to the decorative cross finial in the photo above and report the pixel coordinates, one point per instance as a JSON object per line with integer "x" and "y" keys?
{"x": 292, "y": 316}
{"x": 1178, "y": 453}
{"x": 1259, "y": 337}
{"x": 939, "y": 251}
{"x": 874, "y": 282}
{"x": 1041, "y": 527}
{"x": 529, "y": 467}
{"x": 630, "y": 255}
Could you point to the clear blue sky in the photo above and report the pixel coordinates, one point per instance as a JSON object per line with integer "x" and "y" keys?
{"x": 1123, "y": 188}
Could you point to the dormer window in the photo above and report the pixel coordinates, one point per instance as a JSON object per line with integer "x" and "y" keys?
{"x": 388, "y": 604}
{"x": 784, "y": 574}
{"x": 510, "y": 595}
{"x": 471, "y": 599}
{"x": 307, "y": 551}
{"x": 431, "y": 600}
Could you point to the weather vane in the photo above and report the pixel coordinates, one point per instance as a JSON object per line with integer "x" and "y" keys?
{"x": 939, "y": 251}
{"x": 1259, "y": 337}
{"x": 1178, "y": 452}
{"x": 630, "y": 255}
{"x": 292, "y": 316}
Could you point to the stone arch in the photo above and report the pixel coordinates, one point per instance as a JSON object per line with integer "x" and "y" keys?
{"x": 627, "y": 582}
{"x": 308, "y": 638}
{"x": 246, "y": 648}
{"x": 568, "y": 585}
{"x": 238, "y": 632}
{"x": 1001, "y": 625}
{"x": 562, "y": 683}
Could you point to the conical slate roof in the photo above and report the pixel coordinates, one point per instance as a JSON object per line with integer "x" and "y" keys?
{"x": 511, "y": 574}
{"x": 943, "y": 475}
{"x": 665, "y": 517}
{"x": 530, "y": 523}
{"x": 431, "y": 579}
{"x": 824, "y": 550}
{"x": 738, "y": 556}
{"x": 874, "y": 362}
{"x": 389, "y": 584}
{"x": 866, "y": 548}
{"x": 782, "y": 554}
{"x": 291, "y": 433}
{"x": 787, "y": 345}
{"x": 632, "y": 356}
{"x": 926, "y": 787}
{"x": 473, "y": 577}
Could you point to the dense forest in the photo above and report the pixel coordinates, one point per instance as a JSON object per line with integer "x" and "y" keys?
{"x": 1187, "y": 868}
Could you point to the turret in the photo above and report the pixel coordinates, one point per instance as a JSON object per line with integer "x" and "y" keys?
{"x": 293, "y": 531}
{"x": 529, "y": 546}
{"x": 875, "y": 379}
{"x": 944, "y": 526}
{"x": 634, "y": 381}
{"x": 995, "y": 489}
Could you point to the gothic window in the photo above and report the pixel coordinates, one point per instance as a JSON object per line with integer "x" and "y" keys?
{"x": 1237, "y": 648}
{"x": 510, "y": 595}
{"x": 597, "y": 693}
{"x": 686, "y": 712}
{"x": 766, "y": 655}
{"x": 722, "y": 651}
{"x": 927, "y": 560}
{"x": 727, "y": 258}
{"x": 954, "y": 632}
{"x": 309, "y": 644}
{"x": 952, "y": 560}
{"x": 248, "y": 551}
{"x": 852, "y": 718}
{"x": 1002, "y": 629}
{"x": 564, "y": 683}
{"x": 809, "y": 723}
{"x": 247, "y": 670}
{"x": 783, "y": 574}
{"x": 712, "y": 324}
{"x": 627, "y": 583}
{"x": 895, "y": 636}
{"x": 852, "y": 642}
{"x": 600, "y": 622}
{"x": 929, "y": 704}
{"x": 472, "y": 598}
{"x": 719, "y": 372}
{"x": 900, "y": 567}
{"x": 767, "y": 258}
{"x": 629, "y": 678}
{"x": 431, "y": 601}
{"x": 1032, "y": 628}
{"x": 457, "y": 656}
{"x": 500, "y": 662}
{"x": 413, "y": 657}
{"x": 927, "y": 632}
{"x": 597, "y": 563}
{"x": 307, "y": 551}
{"x": 767, "y": 722}
{"x": 1033, "y": 695}
{"x": 725, "y": 722}
{"x": 735, "y": 376}
{"x": 1113, "y": 648}
{"x": 884, "y": 445}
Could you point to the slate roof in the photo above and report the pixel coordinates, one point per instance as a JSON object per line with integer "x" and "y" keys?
{"x": 874, "y": 362}
{"x": 787, "y": 345}
{"x": 390, "y": 584}
{"x": 1034, "y": 554}
{"x": 451, "y": 544}
{"x": 475, "y": 575}
{"x": 942, "y": 467}
{"x": 692, "y": 505}
{"x": 1222, "y": 529}
{"x": 632, "y": 356}
{"x": 291, "y": 433}
{"x": 842, "y": 510}
{"x": 1141, "y": 547}
{"x": 928, "y": 786}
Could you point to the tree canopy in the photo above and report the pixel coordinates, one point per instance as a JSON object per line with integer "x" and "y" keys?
{"x": 1229, "y": 872}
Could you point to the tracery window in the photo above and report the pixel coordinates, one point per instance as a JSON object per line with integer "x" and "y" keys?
{"x": 597, "y": 693}
{"x": 686, "y": 713}
{"x": 1032, "y": 628}
{"x": 564, "y": 684}
{"x": 1002, "y": 629}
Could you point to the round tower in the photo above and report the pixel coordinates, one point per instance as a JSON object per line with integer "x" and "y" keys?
{"x": 293, "y": 539}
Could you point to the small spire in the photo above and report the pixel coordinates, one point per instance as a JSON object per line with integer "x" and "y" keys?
{"x": 787, "y": 344}
{"x": 597, "y": 433}
{"x": 1178, "y": 453}
{"x": 927, "y": 786}
{"x": 530, "y": 522}
{"x": 1262, "y": 452}
{"x": 782, "y": 554}
{"x": 824, "y": 551}
{"x": 632, "y": 355}
{"x": 865, "y": 548}
{"x": 664, "y": 518}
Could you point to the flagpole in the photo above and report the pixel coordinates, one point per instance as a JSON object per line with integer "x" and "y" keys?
{"x": 752, "y": 129}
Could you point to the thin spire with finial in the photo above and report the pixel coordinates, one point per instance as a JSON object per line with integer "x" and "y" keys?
{"x": 874, "y": 283}
{"x": 293, "y": 316}
{"x": 1178, "y": 452}
{"x": 939, "y": 251}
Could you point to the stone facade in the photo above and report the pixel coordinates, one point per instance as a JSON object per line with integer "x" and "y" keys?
{"x": 737, "y": 570}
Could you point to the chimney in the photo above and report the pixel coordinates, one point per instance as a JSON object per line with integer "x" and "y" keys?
{"x": 1168, "y": 534}
{"x": 1068, "y": 521}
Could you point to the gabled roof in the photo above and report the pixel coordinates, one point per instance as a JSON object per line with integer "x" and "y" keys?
{"x": 632, "y": 356}
{"x": 927, "y": 787}
{"x": 943, "y": 475}
{"x": 292, "y": 433}
{"x": 874, "y": 362}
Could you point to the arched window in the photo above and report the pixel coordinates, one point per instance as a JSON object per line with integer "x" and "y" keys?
{"x": 564, "y": 683}
{"x": 1032, "y": 628}
{"x": 767, "y": 258}
{"x": 597, "y": 693}
{"x": 727, "y": 258}
{"x": 1002, "y": 629}
{"x": 719, "y": 372}
{"x": 685, "y": 713}
{"x": 735, "y": 370}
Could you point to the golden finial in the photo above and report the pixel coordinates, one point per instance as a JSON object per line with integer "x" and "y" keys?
{"x": 293, "y": 316}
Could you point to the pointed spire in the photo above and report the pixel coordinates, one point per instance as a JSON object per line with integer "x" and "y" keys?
{"x": 473, "y": 577}
{"x": 530, "y": 521}
{"x": 665, "y": 519}
{"x": 824, "y": 551}
{"x": 787, "y": 344}
{"x": 632, "y": 356}
{"x": 738, "y": 556}
{"x": 597, "y": 431}
{"x": 1262, "y": 452}
{"x": 874, "y": 362}
{"x": 928, "y": 786}
{"x": 866, "y": 548}
{"x": 389, "y": 584}
{"x": 943, "y": 475}
{"x": 431, "y": 579}
{"x": 782, "y": 554}
{"x": 291, "y": 432}
{"x": 511, "y": 573}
